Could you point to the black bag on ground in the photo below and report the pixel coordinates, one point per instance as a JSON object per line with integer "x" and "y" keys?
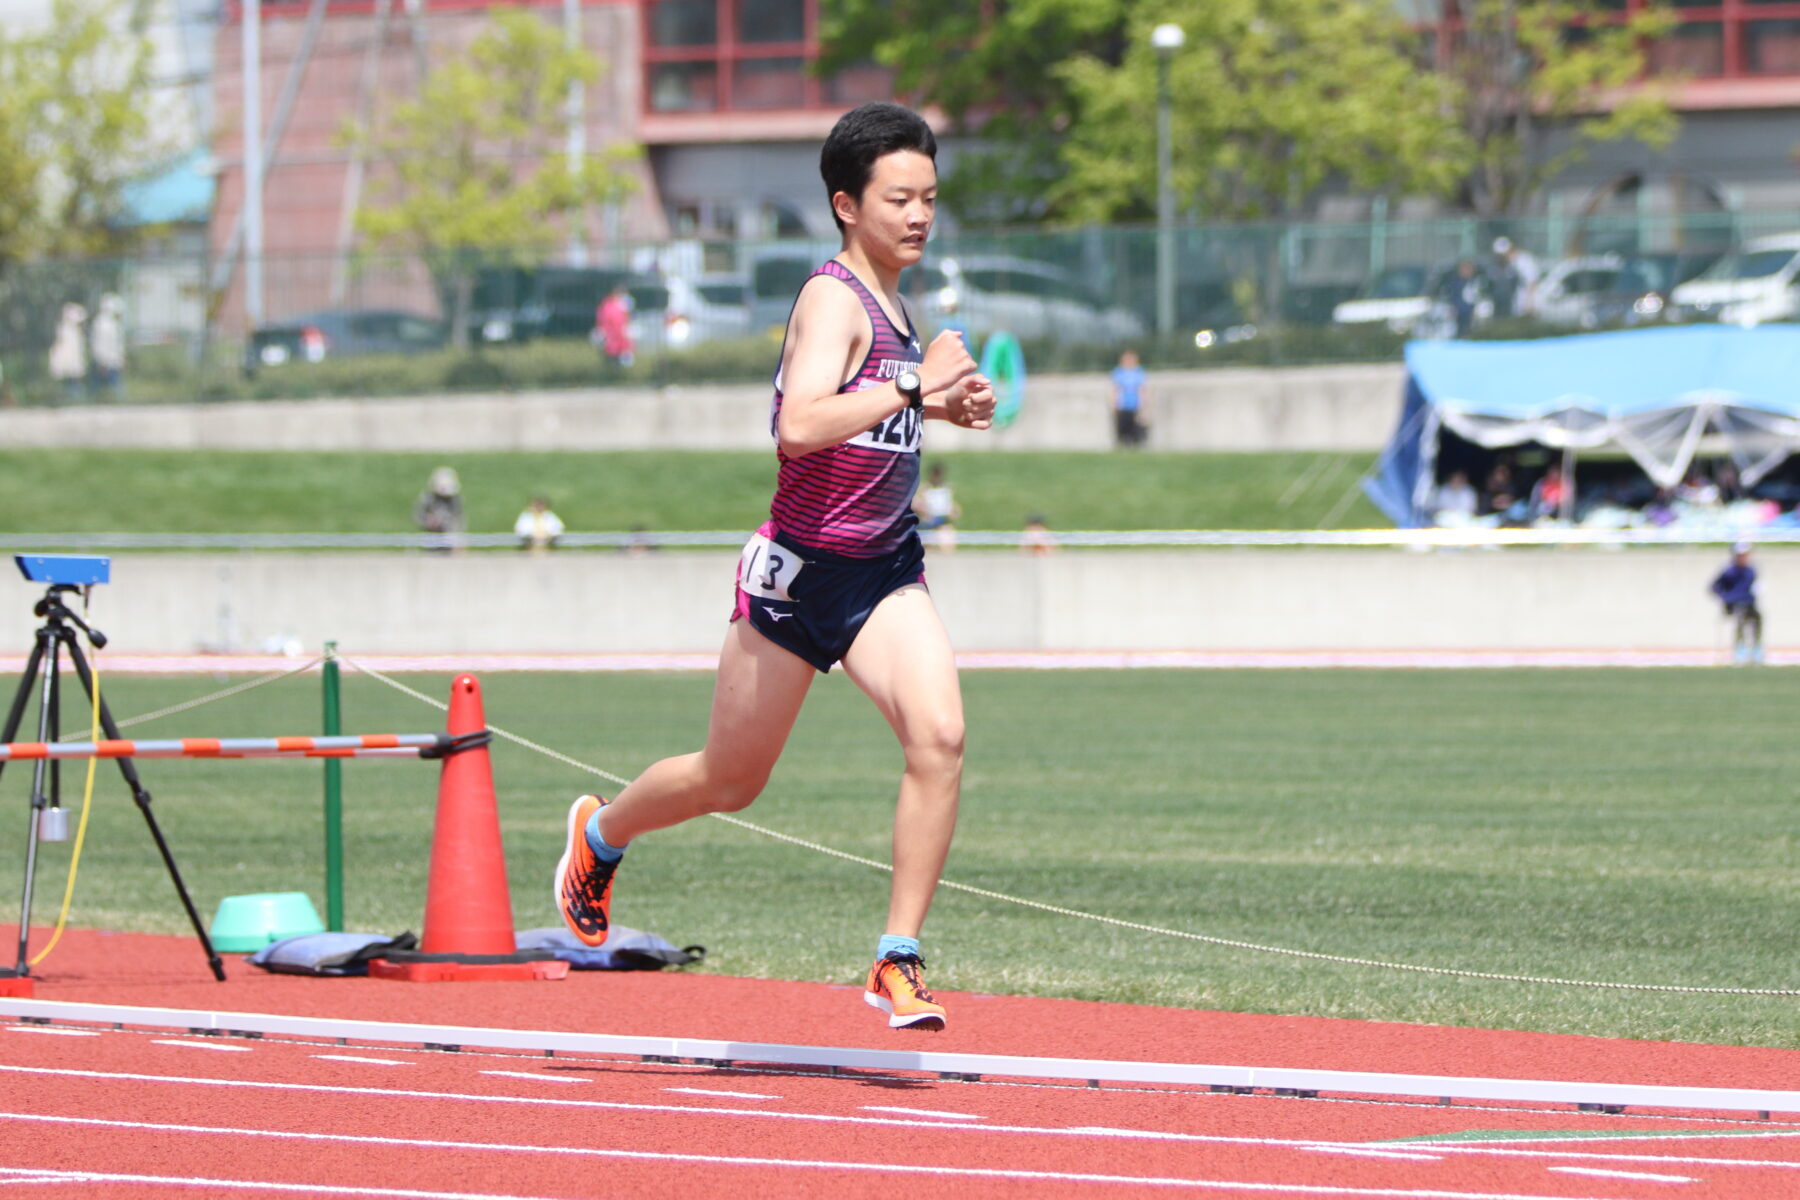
{"x": 328, "y": 953}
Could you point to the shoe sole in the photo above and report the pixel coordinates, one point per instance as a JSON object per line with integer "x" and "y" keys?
{"x": 923, "y": 1022}
{"x": 562, "y": 869}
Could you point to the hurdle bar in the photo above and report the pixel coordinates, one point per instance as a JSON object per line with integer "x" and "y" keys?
{"x": 364, "y": 745}
{"x": 1610, "y": 1097}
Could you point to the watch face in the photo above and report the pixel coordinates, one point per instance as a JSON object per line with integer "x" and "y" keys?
{"x": 908, "y": 381}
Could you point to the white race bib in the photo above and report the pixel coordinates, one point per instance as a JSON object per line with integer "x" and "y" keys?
{"x": 767, "y": 568}
{"x": 898, "y": 434}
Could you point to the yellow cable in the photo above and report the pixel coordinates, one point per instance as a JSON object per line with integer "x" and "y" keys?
{"x": 87, "y": 799}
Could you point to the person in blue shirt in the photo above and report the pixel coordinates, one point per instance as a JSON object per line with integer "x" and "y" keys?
{"x": 1735, "y": 587}
{"x": 1128, "y": 401}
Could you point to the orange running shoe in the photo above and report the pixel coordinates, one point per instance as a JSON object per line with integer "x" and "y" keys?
{"x": 897, "y": 987}
{"x": 584, "y": 880}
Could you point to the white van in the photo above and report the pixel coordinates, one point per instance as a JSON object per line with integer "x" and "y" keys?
{"x": 1757, "y": 283}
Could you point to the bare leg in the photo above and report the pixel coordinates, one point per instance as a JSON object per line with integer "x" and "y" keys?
{"x": 756, "y": 698}
{"x": 903, "y": 661}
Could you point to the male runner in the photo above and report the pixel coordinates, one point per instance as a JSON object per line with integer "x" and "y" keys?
{"x": 837, "y": 573}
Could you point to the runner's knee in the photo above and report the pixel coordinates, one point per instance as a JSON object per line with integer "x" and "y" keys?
{"x": 936, "y": 742}
{"x": 733, "y": 790}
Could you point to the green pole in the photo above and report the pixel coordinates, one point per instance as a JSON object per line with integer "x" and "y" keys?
{"x": 334, "y": 799}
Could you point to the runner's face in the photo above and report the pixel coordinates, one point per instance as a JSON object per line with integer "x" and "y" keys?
{"x": 894, "y": 215}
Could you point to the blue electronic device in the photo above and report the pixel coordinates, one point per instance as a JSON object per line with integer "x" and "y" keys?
{"x": 66, "y": 570}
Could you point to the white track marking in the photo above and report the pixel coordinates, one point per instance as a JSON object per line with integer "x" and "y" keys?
{"x": 718, "y": 1160}
{"x": 922, "y": 1112}
{"x": 199, "y": 1045}
{"x": 1638, "y": 1175}
{"x": 357, "y": 1058}
{"x": 729, "y": 1095}
{"x": 538, "y": 1077}
{"x": 259, "y": 1185}
{"x": 1360, "y": 1152}
{"x": 52, "y": 1029}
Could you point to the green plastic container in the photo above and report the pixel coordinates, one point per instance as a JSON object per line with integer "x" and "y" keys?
{"x": 245, "y": 924}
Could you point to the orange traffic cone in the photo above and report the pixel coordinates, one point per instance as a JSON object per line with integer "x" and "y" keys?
{"x": 468, "y": 909}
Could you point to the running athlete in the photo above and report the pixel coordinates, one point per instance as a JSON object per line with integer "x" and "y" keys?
{"x": 837, "y": 573}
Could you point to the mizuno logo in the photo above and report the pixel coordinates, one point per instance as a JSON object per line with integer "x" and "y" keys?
{"x": 776, "y": 616}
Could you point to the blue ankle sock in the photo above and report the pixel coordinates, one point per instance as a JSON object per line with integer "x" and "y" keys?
{"x": 894, "y": 944}
{"x": 599, "y": 845}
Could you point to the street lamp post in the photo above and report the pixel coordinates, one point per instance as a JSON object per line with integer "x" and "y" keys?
{"x": 1166, "y": 39}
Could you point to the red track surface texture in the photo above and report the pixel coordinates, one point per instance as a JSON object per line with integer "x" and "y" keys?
{"x": 96, "y": 1112}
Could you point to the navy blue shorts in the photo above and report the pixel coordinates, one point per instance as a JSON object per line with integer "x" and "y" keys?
{"x": 813, "y": 603}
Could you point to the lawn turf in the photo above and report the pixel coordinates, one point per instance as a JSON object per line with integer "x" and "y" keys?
{"x": 1613, "y": 825}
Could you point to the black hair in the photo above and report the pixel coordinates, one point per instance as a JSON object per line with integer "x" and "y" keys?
{"x": 863, "y": 135}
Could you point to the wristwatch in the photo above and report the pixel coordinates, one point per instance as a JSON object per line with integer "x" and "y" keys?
{"x": 912, "y": 387}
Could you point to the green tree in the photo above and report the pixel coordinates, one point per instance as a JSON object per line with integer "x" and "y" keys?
{"x": 474, "y": 171}
{"x": 1271, "y": 100}
{"x": 77, "y": 123}
{"x": 1530, "y": 71}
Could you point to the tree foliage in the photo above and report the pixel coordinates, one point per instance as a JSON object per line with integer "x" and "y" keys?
{"x": 1528, "y": 71}
{"x": 1270, "y": 100}
{"x": 77, "y": 123}
{"x": 473, "y": 167}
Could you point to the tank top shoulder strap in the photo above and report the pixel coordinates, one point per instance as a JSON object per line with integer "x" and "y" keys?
{"x": 877, "y": 314}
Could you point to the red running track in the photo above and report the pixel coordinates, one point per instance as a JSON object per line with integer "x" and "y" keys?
{"x": 103, "y": 1113}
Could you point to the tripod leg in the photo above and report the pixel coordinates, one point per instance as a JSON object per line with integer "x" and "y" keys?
{"x": 33, "y": 667}
{"x": 128, "y": 769}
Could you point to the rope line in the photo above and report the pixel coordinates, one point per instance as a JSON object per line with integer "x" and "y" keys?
{"x": 237, "y": 689}
{"x": 1119, "y": 922}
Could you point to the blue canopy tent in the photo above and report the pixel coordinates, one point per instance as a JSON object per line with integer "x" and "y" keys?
{"x": 1652, "y": 393}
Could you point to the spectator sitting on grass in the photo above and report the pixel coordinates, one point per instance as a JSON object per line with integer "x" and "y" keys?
{"x": 538, "y": 527}
{"x": 439, "y": 512}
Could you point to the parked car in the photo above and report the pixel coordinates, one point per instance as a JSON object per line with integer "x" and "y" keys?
{"x": 1759, "y": 282}
{"x": 520, "y": 304}
{"x": 1031, "y": 300}
{"x": 342, "y": 333}
{"x": 1402, "y": 297}
{"x": 707, "y": 308}
{"x": 1606, "y": 290}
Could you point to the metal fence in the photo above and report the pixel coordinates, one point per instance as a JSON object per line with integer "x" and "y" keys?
{"x": 1268, "y": 293}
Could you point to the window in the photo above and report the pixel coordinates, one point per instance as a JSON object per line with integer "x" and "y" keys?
{"x": 769, "y": 83}
{"x": 1693, "y": 49}
{"x": 683, "y": 23}
{"x": 1772, "y": 47}
{"x": 764, "y": 21}
{"x": 744, "y": 56}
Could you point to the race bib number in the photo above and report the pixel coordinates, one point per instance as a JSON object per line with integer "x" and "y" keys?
{"x": 768, "y": 568}
{"x": 898, "y": 434}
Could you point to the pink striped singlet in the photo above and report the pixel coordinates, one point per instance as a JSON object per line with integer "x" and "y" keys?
{"x": 855, "y": 498}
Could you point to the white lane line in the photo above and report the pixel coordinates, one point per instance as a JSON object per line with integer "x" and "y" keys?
{"x": 200, "y": 1045}
{"x": 52, "y": 1029}
{"x": 538, "y": 1077}
{"x": 714, "y": 1160}
{"x": 731, "y": 1095}
{"x": 1639, "y": 1175}
{"x": 819, "y": 1118}
{"x": 259, "y": 1185}
{"x": 358, "y": 1058}
{"x": 1359, "y": 1152}
{"x": 923, "y": 1112}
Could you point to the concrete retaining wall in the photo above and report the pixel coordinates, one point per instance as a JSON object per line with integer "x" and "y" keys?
{"x": 1309, "y": 408}
{"x": 600, "y": 602}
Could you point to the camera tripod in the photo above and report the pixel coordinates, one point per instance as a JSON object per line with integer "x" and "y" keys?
{"x": 55, "y": 637}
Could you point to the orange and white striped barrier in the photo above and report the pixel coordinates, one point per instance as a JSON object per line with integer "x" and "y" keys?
{"x": 365, "y": 745}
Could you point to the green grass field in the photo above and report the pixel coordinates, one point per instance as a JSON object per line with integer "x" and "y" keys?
{"x": 161, "y": 491}
{"x": 1622, "y": 825}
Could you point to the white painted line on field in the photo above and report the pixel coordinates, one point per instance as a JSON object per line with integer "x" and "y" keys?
{"x": 1366, "y": 1083}
{"x": 729, "y": 1095}
{"x": 52, "y": 1029}
{"x": 538, "y": 1077}
{"x": 358, "y": 1058}
{"x": 1359, "y": 1152}
{"x": 1642, "y": 1176}
{"x": 922, "y": 1112}
{"x": 718, "y": 1160}
{"x": 257, "y": 1185}
{"x": 226, "y": 1046}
